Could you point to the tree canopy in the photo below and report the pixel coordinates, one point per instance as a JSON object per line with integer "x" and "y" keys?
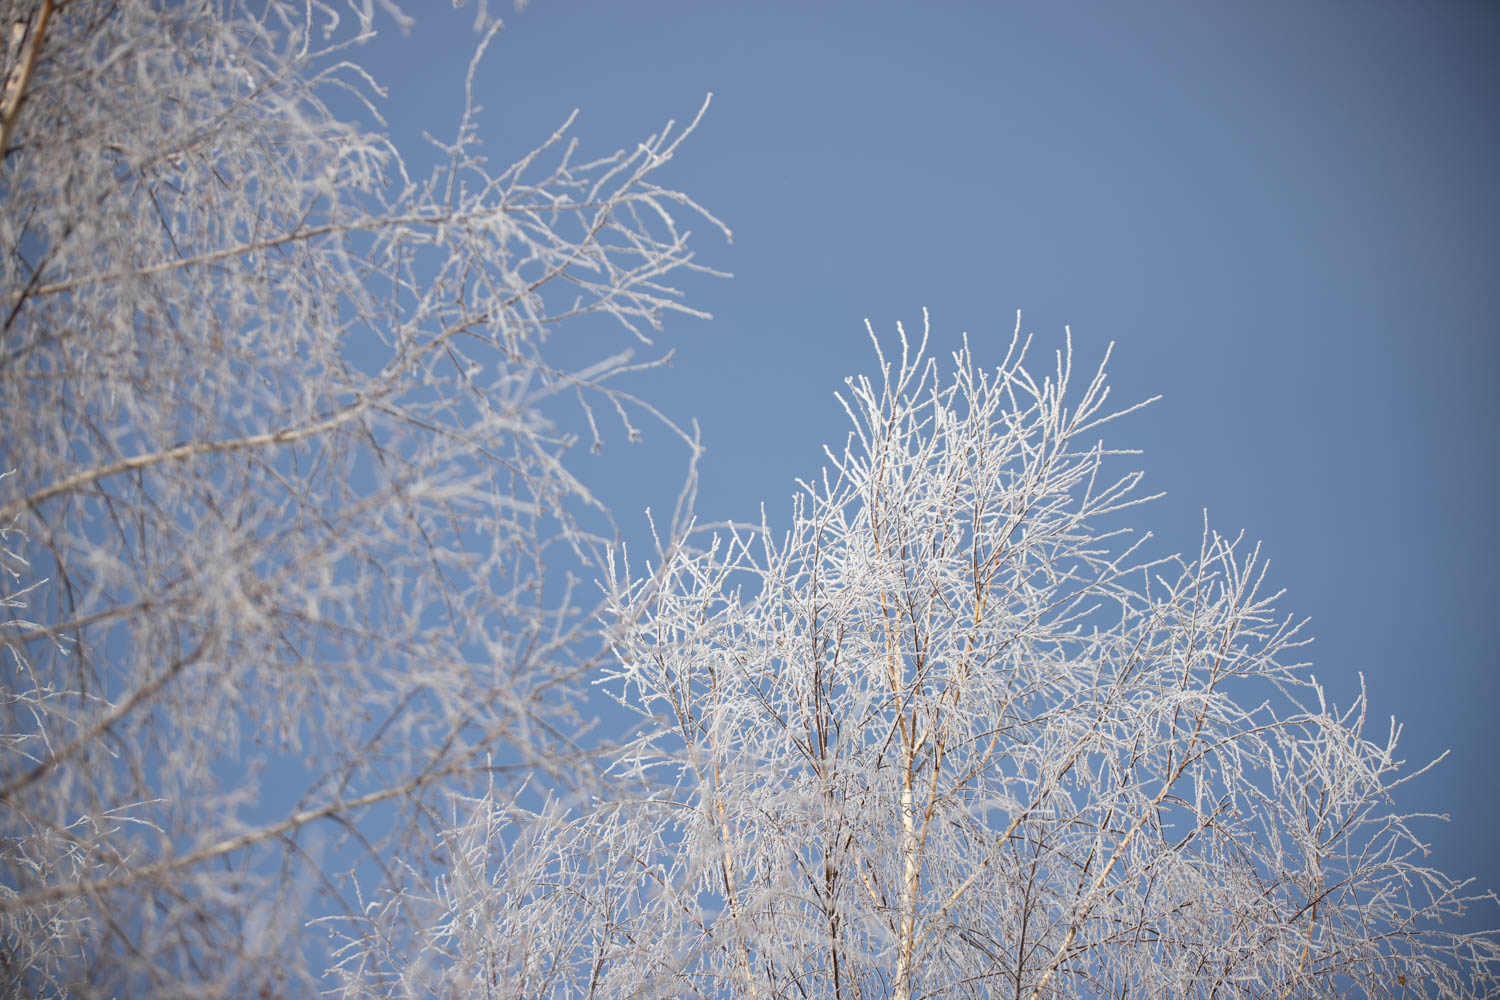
{"x": 953, "y": 735}
{"x": 287, "y": 492}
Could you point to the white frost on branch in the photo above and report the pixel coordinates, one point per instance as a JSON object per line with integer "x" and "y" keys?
{"x": 953, "y": 736}
{"x": 288, "y": 491}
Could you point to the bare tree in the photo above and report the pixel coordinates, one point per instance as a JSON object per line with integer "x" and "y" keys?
{"x": 952, "y": 736}
{"x": 284, "y": 483}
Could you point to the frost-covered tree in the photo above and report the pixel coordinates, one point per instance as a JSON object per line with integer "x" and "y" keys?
{"x": 287, "y": 529}
{"x": 952, "y": 735}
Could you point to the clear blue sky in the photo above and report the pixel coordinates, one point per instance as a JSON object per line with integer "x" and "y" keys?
{"x": 1285, "y": 214}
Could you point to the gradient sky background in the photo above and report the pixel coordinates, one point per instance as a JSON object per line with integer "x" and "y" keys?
{"x": 1278, "y": 211}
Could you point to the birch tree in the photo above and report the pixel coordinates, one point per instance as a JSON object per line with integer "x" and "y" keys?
{"x": 286, "y": 489}
{"x": 954, "y": 735}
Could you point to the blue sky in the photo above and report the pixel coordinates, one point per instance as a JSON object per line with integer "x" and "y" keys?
{"x": 1284, "y": 214}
